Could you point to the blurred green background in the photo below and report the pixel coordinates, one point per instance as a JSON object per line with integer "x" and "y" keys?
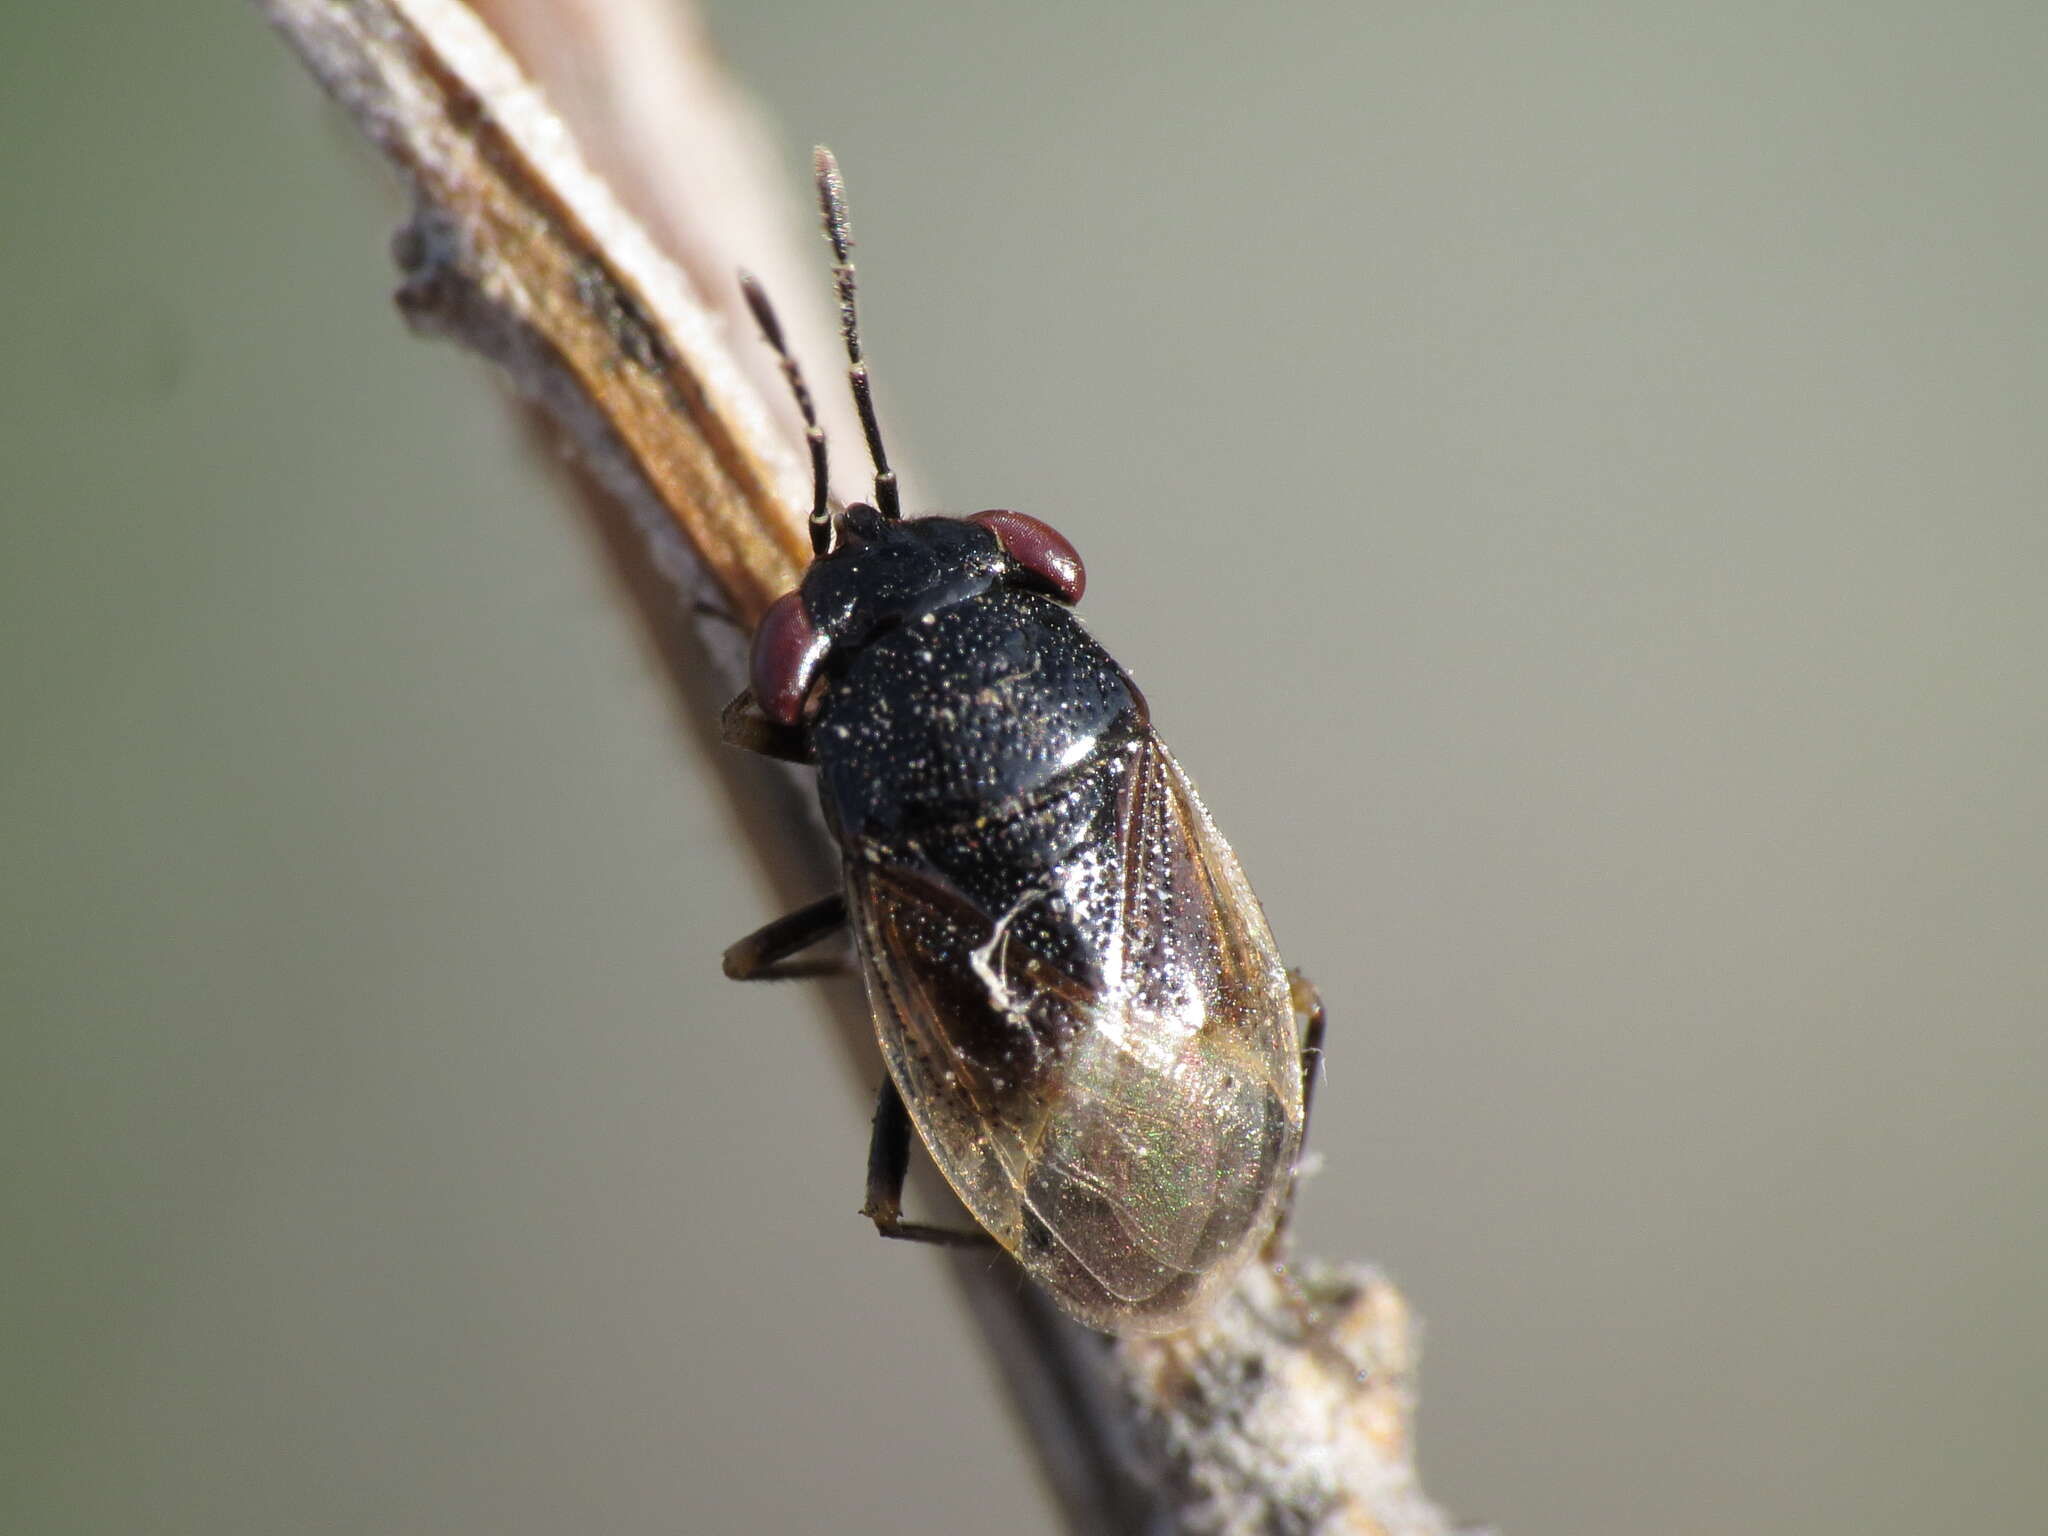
{"x": 1573, "y": 483}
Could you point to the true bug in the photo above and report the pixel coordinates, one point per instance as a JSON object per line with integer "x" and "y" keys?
{"x": 1081, "y": 1009}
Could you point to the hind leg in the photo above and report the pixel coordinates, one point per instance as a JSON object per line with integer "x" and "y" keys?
{"x": 763, "y": 956}
{"x": 888, "y": 1163}
{"x": 1310, "y": 1021}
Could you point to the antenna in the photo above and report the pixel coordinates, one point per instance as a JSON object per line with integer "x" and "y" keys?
{"x": 822, "y": 528}
{"x": 832, "y": 204}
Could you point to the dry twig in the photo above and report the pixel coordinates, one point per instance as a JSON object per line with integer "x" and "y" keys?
{"x": 1245, "y": 1423}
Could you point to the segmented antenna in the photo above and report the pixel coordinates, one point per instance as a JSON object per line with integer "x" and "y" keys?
{"x": 832, "y": 204}
{"x": 822, "y": 527}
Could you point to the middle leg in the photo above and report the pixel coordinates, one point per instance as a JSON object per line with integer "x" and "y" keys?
{"x": 762, "y": 954}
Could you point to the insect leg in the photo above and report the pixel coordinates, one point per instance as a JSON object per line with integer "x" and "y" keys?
{"x": 1310, "y": 1019}
{"x": 741, "y": 724}
{"x": 1308, "y": 1006}
{"x": 888, "y": 1162}
{"x": 759, "y": 956}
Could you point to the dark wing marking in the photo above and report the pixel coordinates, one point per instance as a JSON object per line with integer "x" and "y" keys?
{"x": 1105, "y": 1070}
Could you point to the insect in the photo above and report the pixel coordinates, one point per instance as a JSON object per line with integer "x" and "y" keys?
{"x": 1081, "y": 1009}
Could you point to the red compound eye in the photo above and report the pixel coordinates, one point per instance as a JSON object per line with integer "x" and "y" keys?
{"x": 786, "y": 658}
{"x": 1040, "y": 549}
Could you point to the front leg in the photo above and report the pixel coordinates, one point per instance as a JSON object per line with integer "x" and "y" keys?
{"x": 741, "y": 724}
{"x": 1310, "y": 1020}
